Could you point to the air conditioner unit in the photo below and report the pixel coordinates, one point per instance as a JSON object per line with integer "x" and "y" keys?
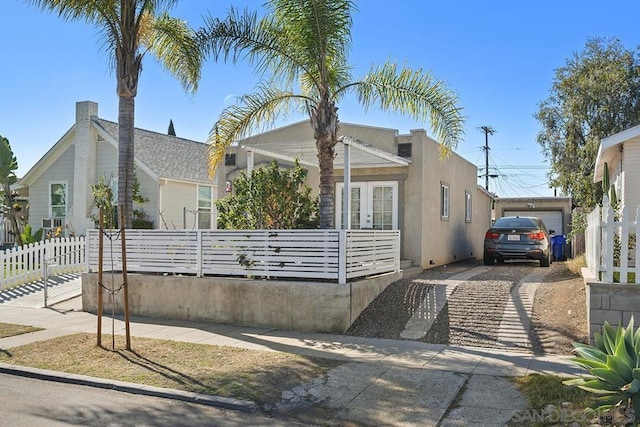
{"x": 52, "y": 222}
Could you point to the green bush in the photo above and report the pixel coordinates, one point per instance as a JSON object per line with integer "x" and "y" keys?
{"x": 269, "y": 198}
{"x": 28, "y": 237}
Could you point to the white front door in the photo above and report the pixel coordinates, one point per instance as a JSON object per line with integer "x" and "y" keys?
{"x": 374, "y": 205}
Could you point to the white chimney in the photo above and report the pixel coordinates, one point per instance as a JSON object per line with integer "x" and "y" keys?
{"x": 85, "y": 148}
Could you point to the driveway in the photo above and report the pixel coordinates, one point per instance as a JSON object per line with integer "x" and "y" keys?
{"x": 463, "y": 304}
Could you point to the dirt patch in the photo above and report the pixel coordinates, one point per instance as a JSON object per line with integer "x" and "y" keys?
{"x": 559, "y": 315}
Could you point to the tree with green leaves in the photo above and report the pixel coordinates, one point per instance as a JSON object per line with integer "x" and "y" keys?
{"x": 301, "y": 47}
{"x": 8, "y": 168}
{"x": 269, "y": 198}
{"x": 594, "y": 95}
{"x": 131, "y": 29}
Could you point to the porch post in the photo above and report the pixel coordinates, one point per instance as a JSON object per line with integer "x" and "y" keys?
{"x": 249, "y": 161}
{"x": 342, "y": 257}
{"x": 346, "y": 212}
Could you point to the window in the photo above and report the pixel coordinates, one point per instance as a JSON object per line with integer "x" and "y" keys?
{"x": 230, "y": 159}
{"x": 204, "y": 207}
{"x": 444, "y": 201}
{"x": 57, "y": 199}
{"x": 467, "y": 206}
{"x": 404, "y": 150}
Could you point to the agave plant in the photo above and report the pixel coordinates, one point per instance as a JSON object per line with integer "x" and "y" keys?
{"x": 614, "y": 365}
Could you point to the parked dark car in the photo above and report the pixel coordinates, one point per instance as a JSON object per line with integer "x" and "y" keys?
{"x": 518, "y": 237}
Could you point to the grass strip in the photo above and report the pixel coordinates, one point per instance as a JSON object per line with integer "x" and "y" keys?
{"x": 260, "y": 376}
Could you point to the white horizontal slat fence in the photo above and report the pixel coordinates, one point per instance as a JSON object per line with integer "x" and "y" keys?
{"x": 372, "y": 252}
{"x": 611, "y": 253}
{"x": 304, "y": 254}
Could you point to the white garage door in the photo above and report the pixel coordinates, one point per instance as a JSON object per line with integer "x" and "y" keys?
{"x": 552, "y": 219}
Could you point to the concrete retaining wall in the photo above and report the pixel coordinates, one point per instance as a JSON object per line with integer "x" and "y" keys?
{"x": 611, "y": 302}
{"x": 303, "y": 306}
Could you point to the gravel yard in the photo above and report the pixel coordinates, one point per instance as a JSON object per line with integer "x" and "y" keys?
{"x": 473, "y": 309}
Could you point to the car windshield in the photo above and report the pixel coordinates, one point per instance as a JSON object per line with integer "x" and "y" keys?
{"x": 508, "y": 222}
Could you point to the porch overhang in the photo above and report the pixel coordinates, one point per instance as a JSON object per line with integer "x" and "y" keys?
{"x": 363, "y": 155}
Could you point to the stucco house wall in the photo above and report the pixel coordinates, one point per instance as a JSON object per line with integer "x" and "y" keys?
{"x": 427, "y": 238}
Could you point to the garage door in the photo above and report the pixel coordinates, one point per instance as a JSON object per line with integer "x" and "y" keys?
{"x": 552, "y": 219}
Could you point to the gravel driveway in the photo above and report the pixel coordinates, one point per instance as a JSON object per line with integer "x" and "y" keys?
{"x": 463, "y": 304}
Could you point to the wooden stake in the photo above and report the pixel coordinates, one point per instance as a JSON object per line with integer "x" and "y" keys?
{"x": 100, "y": 293}
{"x": 124, "y": 278}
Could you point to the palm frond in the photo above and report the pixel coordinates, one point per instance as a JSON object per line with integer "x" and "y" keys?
{"x": 174, "y": 45}
{"x": 417, "y": 94}
{"x": 237, "y": 121}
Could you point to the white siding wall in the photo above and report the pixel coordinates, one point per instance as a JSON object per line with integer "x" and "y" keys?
{"x": 631, "y": 170}
{"x": 107, "y": 167}
{"x": 60, "y": 170}
{"x": 149, "y": 190}
{"x": 175, "y": 197}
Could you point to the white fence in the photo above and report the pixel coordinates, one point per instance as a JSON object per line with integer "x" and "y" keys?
{"x": 610, "y": 245}
{"x": 306, "y": 254}
{"x": 28, "y": 263}
{"x": 6, "y": 231}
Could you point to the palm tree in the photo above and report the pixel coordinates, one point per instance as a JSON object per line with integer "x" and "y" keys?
{"x": 8, "y": 168}
{"x": 304, "y": 44}
{"x": 131, "y": 28}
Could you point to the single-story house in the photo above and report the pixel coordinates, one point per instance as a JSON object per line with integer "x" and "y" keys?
{"x": 397, "y": 182}
{"x": 621, "y": 152}
{"x": 172, "y": 173}
{"x": 554, "y": 211}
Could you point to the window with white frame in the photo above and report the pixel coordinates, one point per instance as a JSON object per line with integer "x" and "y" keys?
{"x": 444, "y": 201}
{"x": 205, "y": 205}
{"x": 467, "y": 206}
{"x": 58, "y": 200}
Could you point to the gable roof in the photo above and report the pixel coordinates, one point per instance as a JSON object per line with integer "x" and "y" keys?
{"x": 162, "y": 156}
{"x": 169, "y": 157}
{"x": 610, "y": 146}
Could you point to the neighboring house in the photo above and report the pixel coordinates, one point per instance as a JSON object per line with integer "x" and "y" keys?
{"x": 621, "y": 152}
{"x": 172, "y": 173}
{"x": 397, "y": 182}
{"x": 554, "y": 211}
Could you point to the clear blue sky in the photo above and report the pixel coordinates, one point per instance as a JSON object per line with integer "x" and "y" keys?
{"x": 498, "y": 56}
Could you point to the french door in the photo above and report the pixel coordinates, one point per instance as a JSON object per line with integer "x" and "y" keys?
{"x": 374, "y": 205}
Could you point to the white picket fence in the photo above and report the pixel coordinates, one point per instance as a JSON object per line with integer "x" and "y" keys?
{"x": 610, "y": 244}
{"x": 306, "y": 254}
{"x": 28, "y": 263}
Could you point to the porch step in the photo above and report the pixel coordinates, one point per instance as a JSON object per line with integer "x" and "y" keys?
{"x": 408, "y": 269}
{"x": 405, "y": 263}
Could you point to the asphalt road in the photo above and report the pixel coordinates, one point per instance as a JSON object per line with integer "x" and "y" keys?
{"x": 35, "y": 403}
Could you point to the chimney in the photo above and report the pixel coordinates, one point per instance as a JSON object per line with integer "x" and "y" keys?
{"x": 84, "y": 173}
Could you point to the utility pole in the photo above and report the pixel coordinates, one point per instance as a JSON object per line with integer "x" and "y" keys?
{"x": 487, "y": 130}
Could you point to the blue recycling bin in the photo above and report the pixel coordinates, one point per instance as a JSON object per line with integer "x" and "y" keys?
{"x": 557, "y": 247}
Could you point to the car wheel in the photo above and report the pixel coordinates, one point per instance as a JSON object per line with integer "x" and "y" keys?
{"x": 546, "y": 261}
{"x": 500, "y": 260}
{"x": 488, "y": 259}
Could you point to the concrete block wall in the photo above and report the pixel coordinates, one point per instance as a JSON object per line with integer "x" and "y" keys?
{"x": 290, "y": 305}
{"x": 611, "y": 302}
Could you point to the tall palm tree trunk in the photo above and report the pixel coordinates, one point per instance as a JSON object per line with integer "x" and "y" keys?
{"x": 324, "y": 120}
{"x": 325, "y": 159}
{"x": 125, "y": 157}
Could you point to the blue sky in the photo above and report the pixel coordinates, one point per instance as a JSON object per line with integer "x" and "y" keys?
{"x": 498, "y": 56}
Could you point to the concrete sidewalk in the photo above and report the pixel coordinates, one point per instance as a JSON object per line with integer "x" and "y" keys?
{"x": 427, "y": 378}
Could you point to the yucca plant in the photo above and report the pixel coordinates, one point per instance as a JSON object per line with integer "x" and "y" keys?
{"x": 614, "y": 365}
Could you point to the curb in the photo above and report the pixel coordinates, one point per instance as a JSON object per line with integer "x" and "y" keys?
{"x": 133, "y": 388}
